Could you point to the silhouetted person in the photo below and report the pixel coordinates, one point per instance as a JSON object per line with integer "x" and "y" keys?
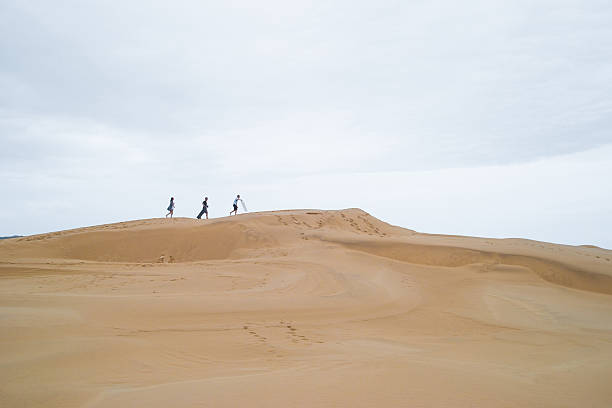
{"x": 204, "y": 208}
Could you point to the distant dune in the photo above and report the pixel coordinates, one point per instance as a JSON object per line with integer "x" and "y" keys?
{"x": 301, "y": 308}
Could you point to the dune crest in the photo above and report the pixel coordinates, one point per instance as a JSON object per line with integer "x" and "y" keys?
{"x": 300, "y": 308}
{"x": 187, "y": 240}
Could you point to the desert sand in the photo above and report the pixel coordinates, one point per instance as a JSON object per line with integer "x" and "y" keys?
{"x": 301, "y": 308}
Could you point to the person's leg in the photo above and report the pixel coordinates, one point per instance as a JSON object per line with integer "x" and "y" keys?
{"x": 206, "y": 214}
{"x": 171, "y": 213}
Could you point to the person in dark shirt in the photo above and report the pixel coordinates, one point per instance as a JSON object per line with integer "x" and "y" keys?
{"x": 204, "y": 208}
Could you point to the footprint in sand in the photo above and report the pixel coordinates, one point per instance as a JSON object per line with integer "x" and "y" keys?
{"x": 294, "y": 336}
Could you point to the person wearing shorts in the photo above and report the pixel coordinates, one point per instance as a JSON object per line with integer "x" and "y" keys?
{"x": 235, "y": 210}
{"x": 170, "y": 208}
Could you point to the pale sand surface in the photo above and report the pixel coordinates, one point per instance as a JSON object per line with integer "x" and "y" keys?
{"x": 301, "y": 308}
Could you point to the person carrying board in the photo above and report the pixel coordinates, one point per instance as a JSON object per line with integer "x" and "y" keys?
{"x": 235, "y": 210}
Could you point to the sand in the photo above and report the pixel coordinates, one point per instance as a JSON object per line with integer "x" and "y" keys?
{"x": 301, "y": 308}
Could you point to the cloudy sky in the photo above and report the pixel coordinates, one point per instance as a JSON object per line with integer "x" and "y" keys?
{"x": 479, "y": 117}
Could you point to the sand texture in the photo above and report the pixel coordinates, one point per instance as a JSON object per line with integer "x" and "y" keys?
{"x": 301, "y": 308}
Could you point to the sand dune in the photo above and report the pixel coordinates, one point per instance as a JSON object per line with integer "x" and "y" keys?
{"x": 302, "y": 308}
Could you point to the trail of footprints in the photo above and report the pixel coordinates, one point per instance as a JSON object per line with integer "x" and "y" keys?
{"x": 292, "y": 332}
{"x": 362, "y": 224}
{"x": 288, "y": 332}
{"x": 369, "y": 228}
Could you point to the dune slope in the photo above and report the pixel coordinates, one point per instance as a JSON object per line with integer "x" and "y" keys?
{"x": 301, "y": 308}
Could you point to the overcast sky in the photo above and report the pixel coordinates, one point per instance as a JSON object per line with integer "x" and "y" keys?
{"x": 479, "y": 117}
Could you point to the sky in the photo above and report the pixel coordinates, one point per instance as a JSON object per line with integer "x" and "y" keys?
{"x": 481, "y": 117}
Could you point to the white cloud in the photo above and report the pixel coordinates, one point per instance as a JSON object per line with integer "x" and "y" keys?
{"x": 560, "y": 199}
{"x": 118, "y": 105}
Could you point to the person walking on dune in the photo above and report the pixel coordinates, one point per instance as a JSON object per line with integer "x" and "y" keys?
{"x": 170, "y": 208}
{"x": 204, "y": 209}
{"x": 235, "y": 210}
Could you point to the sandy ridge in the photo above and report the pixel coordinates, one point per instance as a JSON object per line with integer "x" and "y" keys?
{"x": 304, "y": 308}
